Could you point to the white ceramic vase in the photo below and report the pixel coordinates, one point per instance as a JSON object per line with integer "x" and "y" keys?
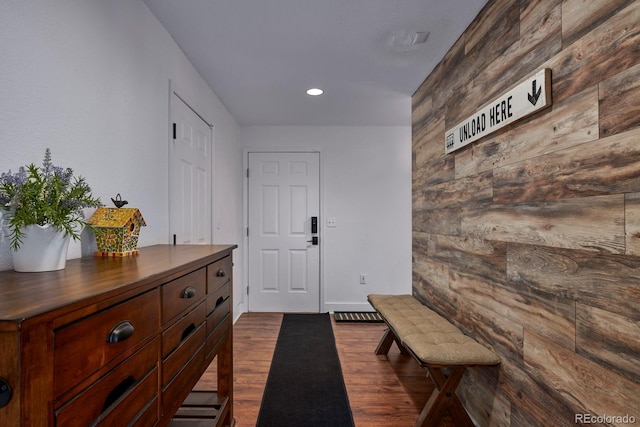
{"x": 43, "y": 248}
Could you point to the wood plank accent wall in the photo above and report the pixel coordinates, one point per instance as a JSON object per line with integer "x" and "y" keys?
{"x": 529, "y": 239}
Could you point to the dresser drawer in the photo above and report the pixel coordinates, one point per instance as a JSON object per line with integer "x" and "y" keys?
{"x": 121, "y": 396}
{"x": 219, "y": 273}
{"x": 149, "y": 415}
{"x": 216, "y": 335}
{"x": 181, "y": 385}
{"x": 219, "y": 296}
{"x": 182, "y": 329}
{"x": 173, "y": 363}
{"x": 217, "y": 317}
{"x": 87, "y": 345}
{"x": 182, "y": 293}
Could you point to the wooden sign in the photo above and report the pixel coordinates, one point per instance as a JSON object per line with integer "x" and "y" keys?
{"x": 528, "y": 97}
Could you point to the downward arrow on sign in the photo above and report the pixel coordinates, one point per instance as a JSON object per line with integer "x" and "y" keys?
{"x": 534, "y": 95}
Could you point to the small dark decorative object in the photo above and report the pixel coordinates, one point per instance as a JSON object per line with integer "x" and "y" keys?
{"x": 118, "y": 202}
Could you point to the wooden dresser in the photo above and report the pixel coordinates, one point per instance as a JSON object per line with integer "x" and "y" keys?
{"x": 118, "y": 341}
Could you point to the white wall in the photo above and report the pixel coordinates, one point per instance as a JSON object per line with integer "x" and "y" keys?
{"x": 90, "y": 80}
{"x": 366, "y": 186}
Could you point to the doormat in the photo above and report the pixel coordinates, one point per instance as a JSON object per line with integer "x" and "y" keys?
{"x": 358, "y": 316}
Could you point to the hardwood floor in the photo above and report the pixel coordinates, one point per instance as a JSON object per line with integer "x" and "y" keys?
{"x": 383, "y": 391}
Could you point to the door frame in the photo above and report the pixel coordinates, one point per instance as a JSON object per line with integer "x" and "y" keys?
{"x": 245, "y": 217}
{"x": 175, "y": 90}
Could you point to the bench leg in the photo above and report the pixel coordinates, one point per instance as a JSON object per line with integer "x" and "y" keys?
{"x": 385, "y": 343}
{"x": 444, "y": 400}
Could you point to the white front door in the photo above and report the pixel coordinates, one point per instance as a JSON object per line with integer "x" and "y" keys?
{"x": 284, "y": 262}
{"x": 189, "y": 176}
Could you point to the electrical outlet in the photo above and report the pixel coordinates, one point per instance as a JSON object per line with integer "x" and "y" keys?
{"x": 331, "y": 222}
{"x": 363, "y": 279}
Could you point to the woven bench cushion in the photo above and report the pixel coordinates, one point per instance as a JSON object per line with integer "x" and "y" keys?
{"x": 431, "y": 337}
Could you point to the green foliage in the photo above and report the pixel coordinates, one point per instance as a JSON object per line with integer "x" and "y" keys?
{"x": 44, "y": 195}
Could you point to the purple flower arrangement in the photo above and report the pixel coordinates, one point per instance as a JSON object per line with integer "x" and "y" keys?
{"x": 44, "y": 195}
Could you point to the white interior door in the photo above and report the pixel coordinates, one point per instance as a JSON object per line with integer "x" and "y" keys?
{"x": 284, "y": 263}
{"x": 190, "y": 164}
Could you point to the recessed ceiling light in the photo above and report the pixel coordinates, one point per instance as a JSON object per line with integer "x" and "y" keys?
{"x": 314, "y": 91}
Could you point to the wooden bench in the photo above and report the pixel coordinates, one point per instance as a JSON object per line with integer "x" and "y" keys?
{"x": 438, "y": 346}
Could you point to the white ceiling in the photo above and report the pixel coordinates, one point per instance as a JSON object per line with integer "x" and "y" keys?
{"x": 260, "y": 56}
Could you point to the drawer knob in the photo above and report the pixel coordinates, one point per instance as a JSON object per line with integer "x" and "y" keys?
{"x": 219, "y": 301}
{"x": 189, "y": 292}
{"x": 221, "y": 273}
{"x": 122, "y": 331}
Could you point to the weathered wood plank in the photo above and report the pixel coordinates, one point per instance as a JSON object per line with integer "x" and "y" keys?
{"x": 437, "y": 298}
{"x": 575, "y": 377}
{"x": 480, "y": 396}
{"x": 523, "y": 57}
{"x": 428, "y": 142}
{"x": 620, "y": 102}
{"x": 421, "y": 115}
{"x": 580, "y": 16}
{"x": 420, "y": 244}
{"x": 609, "y": 282}
{"x": 486, "y": 40}
{"x": 432, "y": 272}
{"x": 434, "y": 171}
{"x": 484, "y": 324}
{"x": 568, "y": 123}
{"x": 543, "y": 271}
{"x": 591, "y": 223}
{"x": 632, "y": 223}
{"x": 605, "y": 166}
{"x": 493, "y": 28}
{"x": 609, "y": 339}
{"x": 607, "y": 50}
{"x": 481, "y": 258}
{"x": 534, "y": 403}
{"x": 464, "y": 191}
{"x": 440, "y": 221}
{"x": 451, "y": 69}
{"x": 552, "y": 318}
{"x": 534, "y": 12}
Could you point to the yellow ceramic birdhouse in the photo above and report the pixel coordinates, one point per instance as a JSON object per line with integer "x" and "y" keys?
{"x": 117, "y": 231}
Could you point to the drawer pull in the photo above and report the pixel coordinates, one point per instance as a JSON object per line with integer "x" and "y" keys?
{"x": 221, "y": 273}
{"x": 189, "y": 292}
{"x": 187, "y": 331}
{"x": 118, "y": 391}
{"x": 5, "y": 393}
{"x": 121, "y": 332}
{"x": 219, "y": 301}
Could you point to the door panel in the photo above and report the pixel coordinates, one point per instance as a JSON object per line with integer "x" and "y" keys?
{"x": 284, "y": 268}
{"x": 190, "y": 167}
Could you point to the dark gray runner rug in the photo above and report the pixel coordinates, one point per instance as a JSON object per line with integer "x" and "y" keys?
{"x": 305, "y": 387}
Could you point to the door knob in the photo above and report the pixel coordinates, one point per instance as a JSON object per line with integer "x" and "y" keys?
{"x": 313, "y": 241}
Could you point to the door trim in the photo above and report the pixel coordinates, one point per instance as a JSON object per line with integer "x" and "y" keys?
{"x": 244, "y": 303}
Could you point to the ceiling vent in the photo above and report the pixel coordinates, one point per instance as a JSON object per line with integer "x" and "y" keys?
{"x": 407, "y": 40}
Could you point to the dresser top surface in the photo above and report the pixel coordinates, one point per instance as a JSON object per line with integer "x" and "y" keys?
{"x": 27, "y": 295}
